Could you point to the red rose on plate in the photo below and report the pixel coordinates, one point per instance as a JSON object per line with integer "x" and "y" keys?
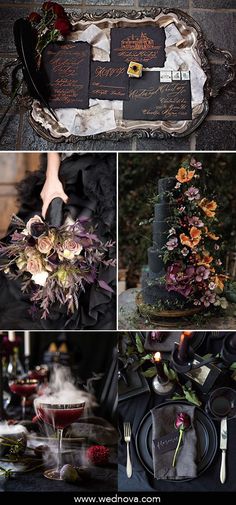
{"x": 34, "y": 17}
{"x": 63, "y": 26}
{"x": 58, "y": 10}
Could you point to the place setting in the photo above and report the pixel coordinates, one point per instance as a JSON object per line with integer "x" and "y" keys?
{"x": 57, "y": 423}
{"x": 178, "y": 434}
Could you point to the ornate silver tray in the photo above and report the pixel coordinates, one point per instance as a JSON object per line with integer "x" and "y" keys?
{"x": 193, "y": 43}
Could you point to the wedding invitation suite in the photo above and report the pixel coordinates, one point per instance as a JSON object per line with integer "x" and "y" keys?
{"x": 67, "y": 67}
{"x": 164, "y": 95}
{"x": 145, "y": 45}
{"x": 109, "y": 81}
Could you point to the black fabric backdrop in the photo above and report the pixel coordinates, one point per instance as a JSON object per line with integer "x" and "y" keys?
{"x": 133, "y": 410}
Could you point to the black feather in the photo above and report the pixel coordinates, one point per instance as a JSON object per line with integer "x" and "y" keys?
{"x": 25, "y": 44}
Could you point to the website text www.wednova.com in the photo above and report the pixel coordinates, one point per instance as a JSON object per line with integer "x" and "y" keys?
{"x": 117, "y": 499}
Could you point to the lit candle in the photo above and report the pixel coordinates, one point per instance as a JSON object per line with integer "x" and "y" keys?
{"x": 11, "y": 336}
{"x": 232, "y": 342}
{"x": 159, "y": 366}
{"x": 183, "y": 353}
{"x": 27, "y": 343}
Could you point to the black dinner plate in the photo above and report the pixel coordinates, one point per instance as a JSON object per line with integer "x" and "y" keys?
{"x": 206, "y": 437}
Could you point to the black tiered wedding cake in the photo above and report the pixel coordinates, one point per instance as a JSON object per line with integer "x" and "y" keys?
{"x": 152, "y": 288}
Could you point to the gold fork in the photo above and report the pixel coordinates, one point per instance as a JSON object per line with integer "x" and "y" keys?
{"x": 127, "y": 438}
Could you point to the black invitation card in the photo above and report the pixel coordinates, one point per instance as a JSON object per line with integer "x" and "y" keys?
{"x": 144, "y": 45}
{"x": 109, "y": 81}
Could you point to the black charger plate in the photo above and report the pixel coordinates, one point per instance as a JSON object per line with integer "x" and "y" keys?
{"x": 206, "y": 436}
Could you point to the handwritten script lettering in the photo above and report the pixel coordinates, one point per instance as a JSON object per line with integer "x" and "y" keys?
{"x": 67, "y": 70}
{"x": 154, "y": 101}
{"x": 145, "y": 44}
{"x": 109, "y": 81}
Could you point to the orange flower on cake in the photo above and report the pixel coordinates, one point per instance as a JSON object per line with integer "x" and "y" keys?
{"x": 208, "y": 208}
{"x": 184, "y": 175}
{"x": 193, "y": 240}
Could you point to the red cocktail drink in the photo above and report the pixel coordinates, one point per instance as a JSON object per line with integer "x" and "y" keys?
{"x": 23, "y": 388}
{"x": 59, "y": 416}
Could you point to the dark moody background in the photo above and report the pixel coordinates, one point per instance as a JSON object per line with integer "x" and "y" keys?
{"x": 138, "y": 179}
{"x": 217, "y": 19}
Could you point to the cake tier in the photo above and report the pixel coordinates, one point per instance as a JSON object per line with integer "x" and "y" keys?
{"x": 163, "y": 210}
{"x": 153, "y": 292}
{"x": 165, "y": 184}
{"x": 155, "y": 263}
{"x": 160, "y": 233}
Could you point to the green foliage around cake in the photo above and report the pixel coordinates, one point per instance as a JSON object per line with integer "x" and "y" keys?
{"x": 138, "y": 177}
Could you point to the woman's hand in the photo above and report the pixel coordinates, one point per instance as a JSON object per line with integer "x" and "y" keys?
{"x": 52, "y": 187}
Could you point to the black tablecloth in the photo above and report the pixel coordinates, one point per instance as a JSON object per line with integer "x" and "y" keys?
{"x": 134, "y": 409}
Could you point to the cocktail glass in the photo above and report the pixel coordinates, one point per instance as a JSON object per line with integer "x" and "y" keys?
{"x": 23, "y": 388}
{"x": 59, "y": 416}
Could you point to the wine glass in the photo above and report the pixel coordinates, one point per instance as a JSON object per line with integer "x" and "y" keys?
{"x": 23, "y": 388}
{"x": 59, "y": 416}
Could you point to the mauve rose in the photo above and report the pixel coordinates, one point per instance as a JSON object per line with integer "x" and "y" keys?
{"x": 45, "y": 244}
{"x": 182, "y": 421}
{"x": 34, "y": 265}
{"x": 73, "y": 246}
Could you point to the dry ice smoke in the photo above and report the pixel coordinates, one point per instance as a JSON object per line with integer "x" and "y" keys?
{"x": 62, "y": 389}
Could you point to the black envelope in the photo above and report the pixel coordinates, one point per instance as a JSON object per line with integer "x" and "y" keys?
{"x": 109, "y": 81}
{"x": 144, "y": 45}
{"x": 67, "y": 68}
{"x": 152, "y": 100}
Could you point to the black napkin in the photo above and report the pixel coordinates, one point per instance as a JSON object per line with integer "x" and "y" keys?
{"x": 163, "y": 420}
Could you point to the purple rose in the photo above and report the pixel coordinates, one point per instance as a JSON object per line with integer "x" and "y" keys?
{"x": 202, "y": 273}
{"x": 172, "y": 243}
{"x": 192, "y": 193}
{"x": 182, "y": 421}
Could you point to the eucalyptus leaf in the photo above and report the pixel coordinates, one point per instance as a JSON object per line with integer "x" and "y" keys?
{"x": 233, "y": 366}
{"x": 151, "y": 372}
{"x": 170, "y": 374}
{"x": 139, "y": 343}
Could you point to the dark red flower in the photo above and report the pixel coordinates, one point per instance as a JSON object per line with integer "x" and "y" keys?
{"x": 34, "y": 17}
{"x": 182, "y": 421}
{"x": 98, "y": 454}
{"x": 58, "y": 10}
{"x": 63, "y": 26}
{"x": 47, "y": 6}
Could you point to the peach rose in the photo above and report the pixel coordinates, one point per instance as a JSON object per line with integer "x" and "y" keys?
{"x": 34, "y": 265}
{"x": 45, "y": 244}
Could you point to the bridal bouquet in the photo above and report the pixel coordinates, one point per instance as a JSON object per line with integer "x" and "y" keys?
{"x": 192, "y": 251}
{"x": 55, "y": 264}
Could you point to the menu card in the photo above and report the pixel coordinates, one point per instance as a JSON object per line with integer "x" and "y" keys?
{"x": 67, "y": 69}
{"x": 109, "y": 81}
{"x": 145, "y": 45}
{"x": 159, "y": 96}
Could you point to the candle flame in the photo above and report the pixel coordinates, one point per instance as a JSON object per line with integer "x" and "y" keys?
{"x": 157, "y": 356}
